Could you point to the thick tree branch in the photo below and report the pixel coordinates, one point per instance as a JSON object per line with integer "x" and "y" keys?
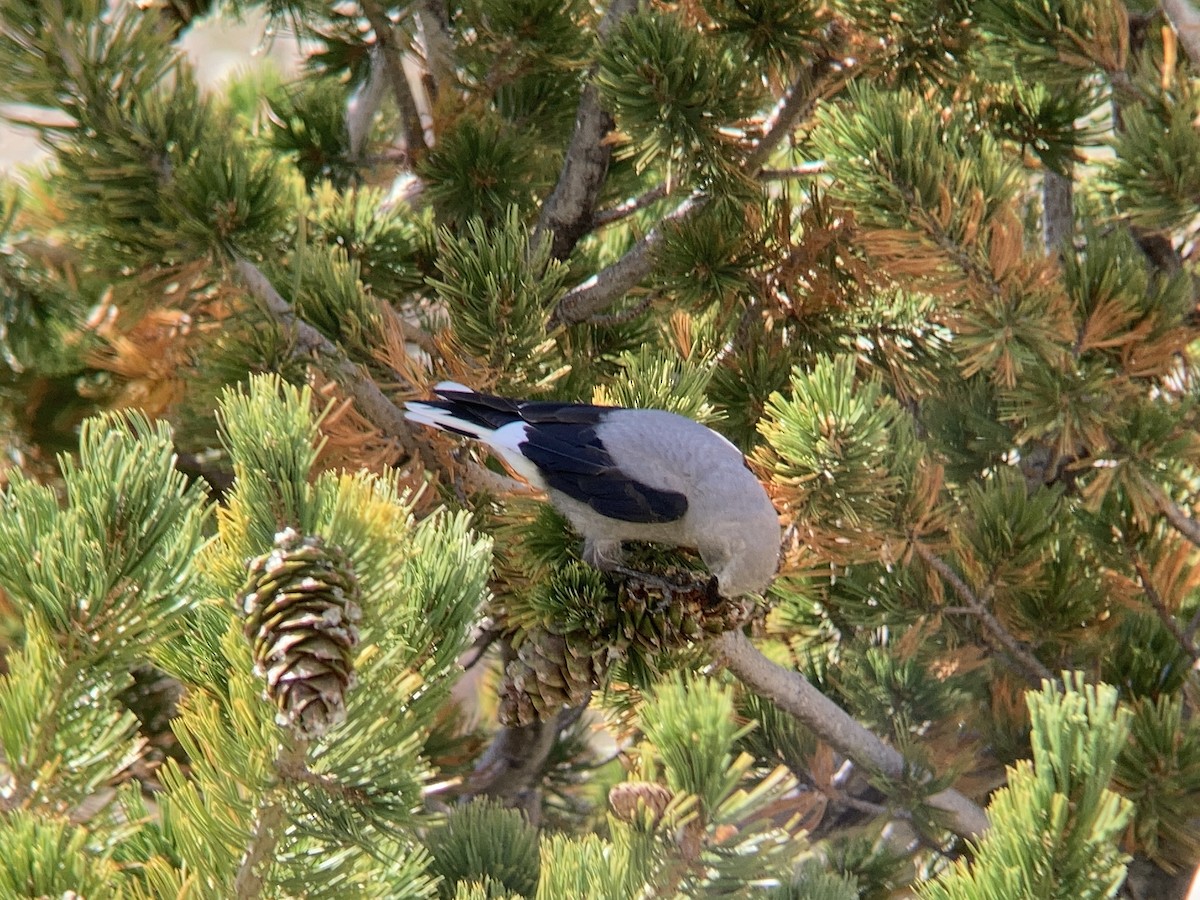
{"x": 637, "y": 204}
{"x": 434, "y": 20}
{"x": 364, "y": 104}
{"x": 393, "y": 65}
{"x": 828, "y": 72}
{"x": 1032, "y": 666}
{"x": 1058, "y": 213}
{"x": 793, "y": 693}
{"x": 607, "y": 286}
{"x": 1185, "y": 20}
{"x": 599, "y": 292}
{"x": 512, "y": 767}
{"x": 567, "y": 214}
{"x": 370, "y": 400}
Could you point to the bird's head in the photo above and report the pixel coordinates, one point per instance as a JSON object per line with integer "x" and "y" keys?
{"x": 743, "y": 563}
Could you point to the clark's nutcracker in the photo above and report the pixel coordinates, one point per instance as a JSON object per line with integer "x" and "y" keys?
{"x": 627, "y": 475}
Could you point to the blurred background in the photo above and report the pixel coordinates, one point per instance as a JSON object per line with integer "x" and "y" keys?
{"x": 220, "y": 47}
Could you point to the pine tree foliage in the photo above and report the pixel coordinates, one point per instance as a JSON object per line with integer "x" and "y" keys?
{"x": 931, "y": 264}
{"x": 495, "y": 291}
{"x": 651, "y": 75}
{"x": 274, "y": 800}
{"x": 1060, "y": 797}
{"x": 488, "y": 843}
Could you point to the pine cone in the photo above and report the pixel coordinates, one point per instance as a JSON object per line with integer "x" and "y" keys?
{"x": 636, "y": 801}
{"x": 554, "y": 670}
{"x": 658, "y": 614}
{"x": 550, "y": 672}
{"x": 301, "y": 606}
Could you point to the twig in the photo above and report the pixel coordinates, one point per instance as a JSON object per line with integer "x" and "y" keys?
{"x": 1033, "y": 667}
{"x": 393, "y": 66}
{"x": 369, "y": 399}
{"x": 567, "y": 214}
{"x": 269, "y": 821}
{"x": 1185, "y": 19}
{"x": 816, "y": 167}
{"x": 1169, "y": 621}
{"x": 1183, "y": 523}
{"x": 606, "y": 286}
{"x": 629, "y": 207}
{"x": 793, "y": 693}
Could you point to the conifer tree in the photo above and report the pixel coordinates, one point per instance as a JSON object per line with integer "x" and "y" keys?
{"x": 931, "y": 264}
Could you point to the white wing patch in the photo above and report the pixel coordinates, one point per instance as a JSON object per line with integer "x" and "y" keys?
{"x": 505, "y": 440}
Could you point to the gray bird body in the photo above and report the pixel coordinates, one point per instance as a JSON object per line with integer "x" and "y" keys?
{"x": 628, "y": 475}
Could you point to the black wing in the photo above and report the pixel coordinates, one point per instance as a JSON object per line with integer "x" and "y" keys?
{"x": 490, "y": 411}
{"x": 562, "y": 442}
{"x": 573, "y": 459}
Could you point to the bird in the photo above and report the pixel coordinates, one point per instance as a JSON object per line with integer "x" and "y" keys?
{"x": 623, "y": 474}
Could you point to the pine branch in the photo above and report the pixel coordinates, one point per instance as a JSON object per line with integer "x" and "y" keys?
{"x": 513, "y": 764}
{"x": 1169, "y": 621}
{"x": 952, "y": 247}
{"x": 268, "y": 827}
{"x": 793, "y": 693}
{"x": 1183, "y": 523}
{"x": 828, "y": 72}
{"x": 393, "y": 63}
{"x": 1058, "y": 212}
{"x": 369, "y": 399}
{"x": 439, "y": 46}
{"x": 568, "y": 213}
{"x": 1185, "y": 19}
{"x": 1033, "y": 668}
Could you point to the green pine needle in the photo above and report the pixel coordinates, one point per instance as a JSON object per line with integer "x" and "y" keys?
{"x": 484, "y": 840}
{"x": 673, "y": 90}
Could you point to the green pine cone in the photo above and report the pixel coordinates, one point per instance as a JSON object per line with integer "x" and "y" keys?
{"x": 549, "y": 673}
{"x": 301, "y": 607}
{"x": 662, "y": 614}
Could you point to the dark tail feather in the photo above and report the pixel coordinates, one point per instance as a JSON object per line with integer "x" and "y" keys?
{"x": 483, "y": 410}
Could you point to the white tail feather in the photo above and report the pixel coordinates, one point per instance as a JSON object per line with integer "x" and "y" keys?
{"x": 505, "y": 440}
{"x": 424, "y": 414}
